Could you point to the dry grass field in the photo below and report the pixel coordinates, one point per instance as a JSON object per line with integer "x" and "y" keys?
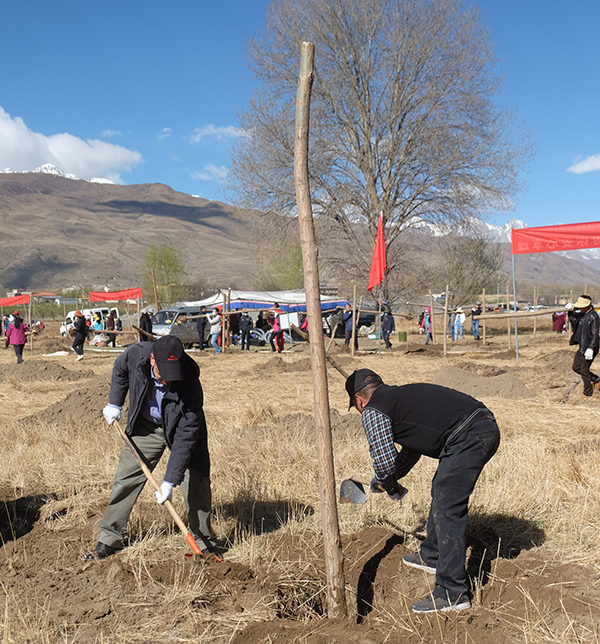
{"x": 534, "y": 534}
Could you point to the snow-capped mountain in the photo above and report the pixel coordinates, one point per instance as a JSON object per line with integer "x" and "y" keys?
{"x": 48, "y": 168}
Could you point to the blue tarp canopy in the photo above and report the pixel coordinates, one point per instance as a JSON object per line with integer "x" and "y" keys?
{"x": 289, "y": 301}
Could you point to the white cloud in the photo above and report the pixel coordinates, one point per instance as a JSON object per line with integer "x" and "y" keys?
{"x": 211, "y": 173}
{"x": 220, "y": 133}
{"x": 587, "y": 165}
{"x": 23, "y": 149}
{"x": 108, "y": 134}
{"x": 165, "y": 133}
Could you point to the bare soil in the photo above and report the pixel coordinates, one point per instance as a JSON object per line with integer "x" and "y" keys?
{"x": 279, "y": 596}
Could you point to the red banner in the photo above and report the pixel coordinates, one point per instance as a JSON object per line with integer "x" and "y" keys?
{"x": 115, "y": 296}
{"x": 378, "y": 263}
{"x": 15, "y": 300}
{"x": 545, "y": 239}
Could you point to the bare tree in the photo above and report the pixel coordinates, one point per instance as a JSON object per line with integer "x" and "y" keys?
{"x": 467, "y": 264}
{"x": 404, "y": 120}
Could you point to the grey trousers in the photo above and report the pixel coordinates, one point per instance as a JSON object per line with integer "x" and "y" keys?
{"x": 130, "y": 480}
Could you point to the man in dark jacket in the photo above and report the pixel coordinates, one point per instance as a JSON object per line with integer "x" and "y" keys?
{"x": 145, "y": 325}
{"x": 165, "y": 410}
{"x": 110, "y": 326}
{"x": 388, "y": 326}
{"x": 440, "y": 423}
{"x": 586, "y": 336}
{"x": 246, "y": 324}
{"x": 201, "y": 328}
{"x": 81, "y": 333}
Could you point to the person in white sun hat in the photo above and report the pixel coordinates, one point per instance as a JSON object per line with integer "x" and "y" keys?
{"x": 586, "y": 336}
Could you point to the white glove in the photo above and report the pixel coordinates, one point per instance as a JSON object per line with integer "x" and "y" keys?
{"x": 375, "y": 486}
{"x": 589, "y": 354}
{"x": 165, "y": 494}
{"x": 399, "y": 495}
{"x": 111, "y": 413}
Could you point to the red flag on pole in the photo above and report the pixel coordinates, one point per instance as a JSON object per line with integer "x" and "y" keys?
{"x": 378, "y": 262}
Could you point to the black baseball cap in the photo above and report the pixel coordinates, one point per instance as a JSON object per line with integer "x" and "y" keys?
{"x": 359, "y": 379}
{"x": 168, "y": 354}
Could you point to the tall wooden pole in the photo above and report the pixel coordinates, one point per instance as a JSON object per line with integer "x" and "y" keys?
{"x": 483, "y": 321}
{"x": 445, "y": 321}
{"x": 156, "y": 302}
{"x": 508, "y": 319}
{"x": 431, "y": 317}
{"x": 353, "y": 322}
{"x": 535, "y": 296}
{"x": 334, "y": 563}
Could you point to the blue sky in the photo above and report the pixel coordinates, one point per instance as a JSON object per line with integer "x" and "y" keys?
{"x": 149, "y": 91}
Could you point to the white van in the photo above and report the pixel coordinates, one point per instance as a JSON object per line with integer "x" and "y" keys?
{"x": 88, "y": 314}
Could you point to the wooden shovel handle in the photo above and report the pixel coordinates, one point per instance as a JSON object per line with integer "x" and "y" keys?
{"x": 132, "y": 448}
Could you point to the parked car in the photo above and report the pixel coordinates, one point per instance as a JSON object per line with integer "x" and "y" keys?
{"x": 174, "y": 321}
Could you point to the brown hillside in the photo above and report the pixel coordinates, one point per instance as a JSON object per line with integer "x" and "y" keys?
{"x": 57, "y": 232}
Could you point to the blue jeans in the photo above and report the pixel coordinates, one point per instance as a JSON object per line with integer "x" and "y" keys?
{"x": 475, "y": 328}
{"x": 214, "y": 340}
{"x": 459, "y": 330}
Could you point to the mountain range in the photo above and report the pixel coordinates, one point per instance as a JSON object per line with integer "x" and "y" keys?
{"x": 57, "y": 231}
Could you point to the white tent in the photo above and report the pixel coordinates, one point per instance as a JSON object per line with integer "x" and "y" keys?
{"x": 289, "y": 301}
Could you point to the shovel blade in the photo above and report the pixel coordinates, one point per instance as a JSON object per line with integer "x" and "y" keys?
{"x": 352, "y": 492}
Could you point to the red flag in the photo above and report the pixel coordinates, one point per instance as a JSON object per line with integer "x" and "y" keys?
{"x": 378, "y": 262}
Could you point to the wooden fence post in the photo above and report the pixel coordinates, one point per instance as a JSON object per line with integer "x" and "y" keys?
{"x": 334, "y": 562}
{"x": 535, "y": 302}
{"x": 508, "y": 319}
{"x": 445, "y": 321}
{"x": 156, "y": 302}
{"x": 353, "y": 322}
{"x": 483, "y": 321}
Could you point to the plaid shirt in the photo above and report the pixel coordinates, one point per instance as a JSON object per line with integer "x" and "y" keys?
{"x": 389, "y": 464}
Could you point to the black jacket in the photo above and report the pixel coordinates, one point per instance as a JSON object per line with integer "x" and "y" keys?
{"x": 423, "y": 415}
{"x": 201, "y": 325}
{"x": 587, "y": 332}
{"x": 81, "y": 329}
{"x": 182, "y": 414}
{"x": 145, "y": 325}
{"x": 246, "y": 323}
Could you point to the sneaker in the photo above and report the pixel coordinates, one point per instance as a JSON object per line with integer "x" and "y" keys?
{"x": 431, "y": 604}
{"x": 79, "y": 357}
{"x": 101, "y": 551}
{"x": 415, "y": 561}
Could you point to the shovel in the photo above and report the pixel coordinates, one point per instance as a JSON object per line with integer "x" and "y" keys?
{"x": 167, "y": 504}
{"x": 352, "y": 490}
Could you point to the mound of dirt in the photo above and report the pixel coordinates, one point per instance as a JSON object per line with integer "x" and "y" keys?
{"x": 50, "y": 344}
{"x": 482, "y": 370}
{"x": 509, "y": 354}
{"x": 560, "y": 360}
{"x": 277, "y": 363}
{"x": 35, "y": 370}
{"x": 505, "y": 385}
{"x": 85, "y": 403}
